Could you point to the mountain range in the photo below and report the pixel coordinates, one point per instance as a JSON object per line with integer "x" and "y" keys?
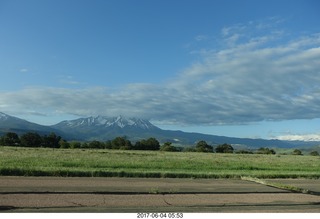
{"x": 13, "y": 124}
{"x": 107, "y": 128}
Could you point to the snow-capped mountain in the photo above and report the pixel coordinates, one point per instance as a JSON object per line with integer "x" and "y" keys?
{"x": 101, "y": 127}
{"x": 106, "y": 122}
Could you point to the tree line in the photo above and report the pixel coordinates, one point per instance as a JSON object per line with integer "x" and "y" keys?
{"x": 33, "y": 139}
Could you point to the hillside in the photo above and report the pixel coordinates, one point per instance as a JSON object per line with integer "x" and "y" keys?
{"x": 13, "y": 124}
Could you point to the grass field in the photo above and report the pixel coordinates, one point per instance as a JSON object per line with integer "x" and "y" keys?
{"x": 117, "y": 163}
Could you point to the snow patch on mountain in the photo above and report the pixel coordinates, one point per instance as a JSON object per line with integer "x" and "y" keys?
{"x": 101, "y": 121}
{"x": 3, "y": 116}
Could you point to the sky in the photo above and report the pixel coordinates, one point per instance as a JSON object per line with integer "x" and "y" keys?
{"x": 236, "y": 68}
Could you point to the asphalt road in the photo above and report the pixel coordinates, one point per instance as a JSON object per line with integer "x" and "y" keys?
{"x": 56, "y": 194}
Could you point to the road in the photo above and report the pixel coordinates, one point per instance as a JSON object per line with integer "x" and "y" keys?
{"x": 58, "y": 194}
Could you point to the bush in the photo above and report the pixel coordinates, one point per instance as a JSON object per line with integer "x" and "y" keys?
{"x": 96, "y": 144}
{"x": 75, "y": 144}
{"x": 296, "y": 152}
{"x": 265, "y": 151}
{"x": 224, "y": 148}
{"x": 244, "y": 152}
{"x": 119, "y": 142}
{"x": 314, "y": 153}
{"x": 168, "y": 147}
{"x": 189, "y": 149}
{"x": 64, "y": 144}
{"x": 149, "y": 144}
{"x": 84, "y": 145}
{"x": 202, "y": 146}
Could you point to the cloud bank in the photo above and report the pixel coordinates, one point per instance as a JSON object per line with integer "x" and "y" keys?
{"x": 255, "y": 75}
{"x": 301, "y": 137}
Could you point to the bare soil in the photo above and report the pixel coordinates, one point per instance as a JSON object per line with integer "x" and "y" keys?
{"x": 50, "y": 194}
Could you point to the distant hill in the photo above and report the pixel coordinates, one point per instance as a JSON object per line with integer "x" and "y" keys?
{"x": 13, "y": 124}
{"x": 107, "y": 128}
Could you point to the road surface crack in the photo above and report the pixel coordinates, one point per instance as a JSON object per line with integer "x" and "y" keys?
{"x": 165, "y": 201}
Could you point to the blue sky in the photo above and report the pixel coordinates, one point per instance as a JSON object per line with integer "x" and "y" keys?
{"x": 237, "y": 68}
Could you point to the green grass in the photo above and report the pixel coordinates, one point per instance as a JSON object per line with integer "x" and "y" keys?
{"x": 116, "y": 163}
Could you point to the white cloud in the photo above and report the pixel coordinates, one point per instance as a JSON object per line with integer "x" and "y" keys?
{"x": 260, "y": 77}
{"x": 300, "y": 137}
{"x": 23, "y": 70}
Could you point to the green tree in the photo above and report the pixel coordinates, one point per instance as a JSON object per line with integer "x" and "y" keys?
{"x": 31, "y": 139}
{"x": 10, "y": 139}
{"x": 51, "y": 140}
{"x": 168, "y": 147}
{"x": 152, "y": 144}
{"x": 85, "y": 145}
{"x": 108, "y": 144}
{"x": 64, "y": 144}
{"x": 149, "y": 144}
{"x": 224, "y": 148}
{"x": 75, "y": 144}
{"x": 96, "y": 144}
{"x": 296, "y": 152}
{"x": 314, "y": 153}
{"x": 202, "y": 146}
{"x": 120, "y": 142}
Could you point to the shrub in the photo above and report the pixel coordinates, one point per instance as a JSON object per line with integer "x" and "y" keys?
{"x": 64, "y": 144}
{"x": 189, "y": 149}
{"x": 296, "y": 152}
{"x": 149, "y": 144}
{"x": 265, "y": 151}
{"x": 244, "y": 152}
{"x": 168, "y": 147}
{"x": 84, "y": 145}
{"x": 119, "y": 142}
{"x": 202, "y": 146}
{"x": 314, "y": 153}
{"x": 96, "y": 144}
{"x": 75, "y": 144}
{"x": 224, "y": 148}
